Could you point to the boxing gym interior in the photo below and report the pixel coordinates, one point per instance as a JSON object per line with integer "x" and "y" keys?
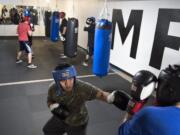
{"x": 130, "y": 35}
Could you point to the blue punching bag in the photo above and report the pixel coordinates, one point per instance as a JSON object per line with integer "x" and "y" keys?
{"x": 54, "y": 34}
{"x": 26, "y": 12}
{"x": 102, "y": 45}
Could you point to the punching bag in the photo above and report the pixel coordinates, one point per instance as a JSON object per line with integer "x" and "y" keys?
{"x": 102, "y": 45}
{"x": 47, "y": 23}
{"x": 54, "y": 35}
{"x": 26, "y": 13}
{"x": 70, "y": 48}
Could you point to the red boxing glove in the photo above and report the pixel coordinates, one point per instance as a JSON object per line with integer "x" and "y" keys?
{"x": 135, "y": 106}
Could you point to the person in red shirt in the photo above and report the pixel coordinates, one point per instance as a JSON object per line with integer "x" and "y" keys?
{"x": 23, "y": 30}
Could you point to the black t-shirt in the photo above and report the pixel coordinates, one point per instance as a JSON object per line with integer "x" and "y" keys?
{"x": 91, "y": 30}
{"x": 63, "y": 24}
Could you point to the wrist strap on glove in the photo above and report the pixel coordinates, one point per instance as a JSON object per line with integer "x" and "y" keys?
{"x": 135, "y": 106}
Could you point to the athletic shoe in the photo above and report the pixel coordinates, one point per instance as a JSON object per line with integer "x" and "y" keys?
{"x": 32, "y": 66}
{"x": 19, "y": 61}
{"x": 63, "y": 56}
{"x": 85, "y": 64}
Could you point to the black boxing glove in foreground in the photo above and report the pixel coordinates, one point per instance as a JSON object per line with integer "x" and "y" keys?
{"x": 143, "y": 84}
{"x": 59, "y": 110}
{"x": 119, "y": 98}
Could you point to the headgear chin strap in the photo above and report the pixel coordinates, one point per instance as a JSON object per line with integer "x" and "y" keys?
{"x": 64, "y": 74}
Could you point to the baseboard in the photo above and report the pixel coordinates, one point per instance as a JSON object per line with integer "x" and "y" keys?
{"x": 121, "y": 70}
{"x": 82, "y": 48}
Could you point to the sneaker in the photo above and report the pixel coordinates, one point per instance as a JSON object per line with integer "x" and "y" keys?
{"x": 31, "y": 66}
{"x": 19, "y": 61}
{"x": 63, "y": 56}
{"x": 85, "y": 64}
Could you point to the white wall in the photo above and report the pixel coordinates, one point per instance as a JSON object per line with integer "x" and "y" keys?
{"x": 1, "y": 6}
{"x": 120, "y": 55}
{"x": 82, "y": 10}
{"x": 41, "y": 3}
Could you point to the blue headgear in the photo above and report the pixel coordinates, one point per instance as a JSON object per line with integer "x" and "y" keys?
{"x": 64, "y": 74}
{"x": 27, "y": 12}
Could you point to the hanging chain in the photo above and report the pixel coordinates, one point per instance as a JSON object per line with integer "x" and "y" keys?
{"x": 56, "y": 4}
{"x": 104, "y": 12}
{"x": 73, "y": 8}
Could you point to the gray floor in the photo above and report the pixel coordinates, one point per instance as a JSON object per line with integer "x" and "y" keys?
{"x": 23, "y": 106}
{"x": 47, "y": 56}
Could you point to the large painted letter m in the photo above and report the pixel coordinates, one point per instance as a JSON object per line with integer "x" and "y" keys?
{"x": 135, "y": 20}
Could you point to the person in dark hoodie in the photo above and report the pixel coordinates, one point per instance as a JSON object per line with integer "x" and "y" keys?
{"x": 90, "y": 28}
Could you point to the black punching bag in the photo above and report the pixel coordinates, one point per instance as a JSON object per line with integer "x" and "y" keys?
{"x": 47, "y": 23}
{"x": 70, "y": 48}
